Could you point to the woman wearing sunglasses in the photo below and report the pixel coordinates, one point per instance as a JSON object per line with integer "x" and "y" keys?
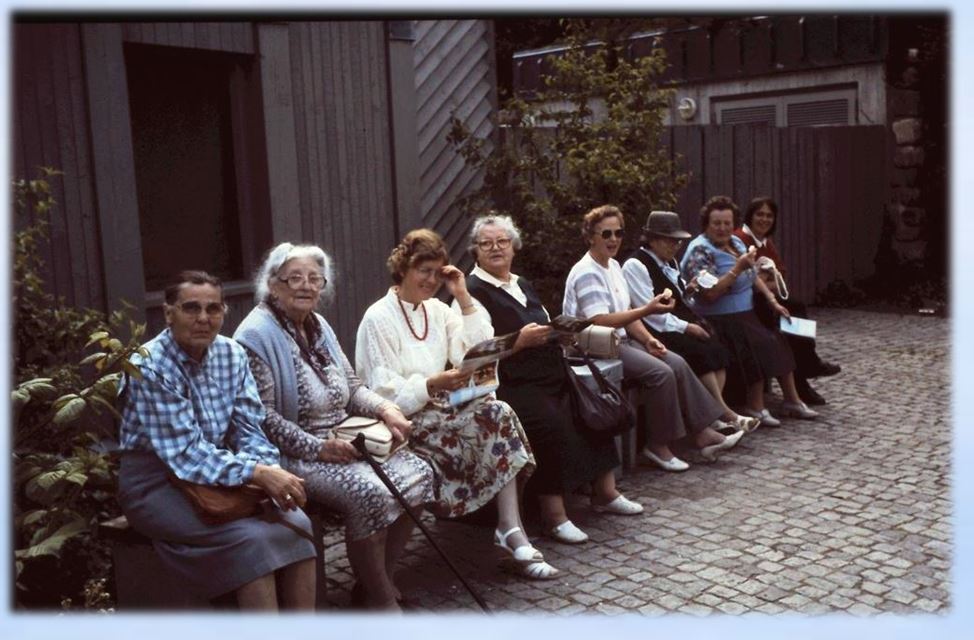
{"x": 679, "y": 405}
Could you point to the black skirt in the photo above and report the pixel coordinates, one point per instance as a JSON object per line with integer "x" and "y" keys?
{"x": 756, "y": 353}
{"x": 535, "y": 384}
{"x": 703, "y": 356}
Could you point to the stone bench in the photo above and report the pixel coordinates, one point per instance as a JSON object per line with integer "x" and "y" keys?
{"x": 142, "y": 581}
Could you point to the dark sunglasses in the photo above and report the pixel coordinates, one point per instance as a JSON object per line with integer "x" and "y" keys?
{"x": 608, "y": 233}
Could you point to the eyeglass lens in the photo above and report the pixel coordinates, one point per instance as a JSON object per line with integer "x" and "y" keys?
{"x": 500, "y": 243}
{"x": 195, "y": 309}
{"x": 608, "y": 233}
{"x": 295, "y": 280}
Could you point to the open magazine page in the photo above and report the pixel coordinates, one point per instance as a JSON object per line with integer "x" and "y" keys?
{"x": 488, "y": 351}
{"x": 569, "y": 324}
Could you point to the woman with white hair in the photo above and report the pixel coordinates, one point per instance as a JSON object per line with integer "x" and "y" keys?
{"x": 307, "y": 386}
{"x": 533, "y": 380}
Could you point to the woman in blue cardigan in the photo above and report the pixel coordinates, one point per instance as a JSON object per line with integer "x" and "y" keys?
{"x": 756, "y": 353}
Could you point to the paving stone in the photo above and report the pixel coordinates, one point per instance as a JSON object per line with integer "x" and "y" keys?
{"x": 843, "y": 521}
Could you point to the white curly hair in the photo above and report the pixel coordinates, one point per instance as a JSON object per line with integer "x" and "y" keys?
{"x": 279, "y": 255}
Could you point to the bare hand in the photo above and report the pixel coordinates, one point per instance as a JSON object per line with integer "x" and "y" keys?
{"x": 337, "y": 451}
{"x": 455, "y": 281}
{"x": 284, "y": 488}
{"x": 780, "y": 310}
{"x": 696, "y": 331}
{"x": 449, "y": 380}
{"x": 655, "y": 347}
{"x": 397, "y": 424}
{"x": 659, "y": 305}
{"x": 532, "y": 335}
{"x": 745, "y": 262}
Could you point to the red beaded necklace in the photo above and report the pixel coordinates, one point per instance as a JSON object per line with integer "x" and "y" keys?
{"x": 426, "y": 320}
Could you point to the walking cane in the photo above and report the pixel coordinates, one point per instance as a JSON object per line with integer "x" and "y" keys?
{"x": 359, "y": 444}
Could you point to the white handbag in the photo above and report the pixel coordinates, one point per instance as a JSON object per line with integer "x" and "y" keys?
{"x": 378, "y": 439}
{"x": 598, "y": 342}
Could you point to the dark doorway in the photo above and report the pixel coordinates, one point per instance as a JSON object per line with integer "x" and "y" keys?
{"x": 182, "y": 136}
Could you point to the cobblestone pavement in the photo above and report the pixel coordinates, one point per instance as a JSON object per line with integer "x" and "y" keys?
{"x": 848, "y": 513}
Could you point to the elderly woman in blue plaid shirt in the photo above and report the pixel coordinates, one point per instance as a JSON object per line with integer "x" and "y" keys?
{"x": 195, "y": 413}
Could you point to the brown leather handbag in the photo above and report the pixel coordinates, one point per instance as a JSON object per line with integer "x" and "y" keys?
{"x": 217, "y": 505}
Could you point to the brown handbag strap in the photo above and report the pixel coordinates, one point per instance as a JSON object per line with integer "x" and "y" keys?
{"x": 272, "y": 514}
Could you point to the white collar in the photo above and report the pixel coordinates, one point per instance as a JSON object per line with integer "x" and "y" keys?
{"x": 489, "y": 279}
{"x": 758, "y": 243}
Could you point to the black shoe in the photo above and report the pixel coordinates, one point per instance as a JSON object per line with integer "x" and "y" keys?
{"x": 825, "y": 369}
{"x": 808, "y": 395}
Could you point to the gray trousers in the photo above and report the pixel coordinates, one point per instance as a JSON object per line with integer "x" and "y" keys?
{"x": 676, "y": 400}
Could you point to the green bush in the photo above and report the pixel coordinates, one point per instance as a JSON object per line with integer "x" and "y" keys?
{"x": 63, "y": 424}
{"x": 591, "y": 136}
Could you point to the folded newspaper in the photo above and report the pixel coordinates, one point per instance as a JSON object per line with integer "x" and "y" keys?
{"x": 481, "y": 359}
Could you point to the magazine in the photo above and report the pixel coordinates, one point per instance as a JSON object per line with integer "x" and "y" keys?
{"x": 481, "y": 359}
{"x": 801, "y": 327}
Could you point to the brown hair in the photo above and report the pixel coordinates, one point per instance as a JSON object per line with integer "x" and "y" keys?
{"x": 190, "y": 276}
{"x": 419, "y": 245}
{"x": 714, "y": 204}
{"x": 756, "y": 204}
{"x": 597, "y": 215}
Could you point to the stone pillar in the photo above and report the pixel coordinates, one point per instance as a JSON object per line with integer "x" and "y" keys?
{"x": 905, "y": 209}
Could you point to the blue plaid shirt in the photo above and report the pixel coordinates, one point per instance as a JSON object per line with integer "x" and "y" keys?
{"x": 202, "y": 419}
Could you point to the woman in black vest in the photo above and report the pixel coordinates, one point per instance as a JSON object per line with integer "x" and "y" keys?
{"x": 651, "y": 270}
{"x": 534, "y": 382}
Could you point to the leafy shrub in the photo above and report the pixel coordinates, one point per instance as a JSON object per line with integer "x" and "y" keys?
{"x": 591, "y": 136}
{"x": 63, "y": 405}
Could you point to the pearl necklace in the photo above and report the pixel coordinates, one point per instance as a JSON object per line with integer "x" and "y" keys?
{"x": 426, "y": 320}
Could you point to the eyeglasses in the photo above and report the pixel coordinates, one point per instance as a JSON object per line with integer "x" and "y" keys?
{"x": 608, "y": 233}
{"x": 295, "y": 280}
{"x": 500, "y": 243}
{"x": 429, "y": 272}
{"x": 195, "y": 309}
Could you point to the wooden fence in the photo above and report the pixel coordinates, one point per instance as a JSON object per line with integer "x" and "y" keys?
{"x": 831, "y": 183}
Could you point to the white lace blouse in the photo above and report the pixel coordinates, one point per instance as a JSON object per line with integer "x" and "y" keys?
{"x": 395, "y": 364}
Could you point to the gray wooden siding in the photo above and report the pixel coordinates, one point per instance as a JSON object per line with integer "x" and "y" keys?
{"x": 344, "y": 162}
{"x": 326, "y": 137}
{"x": 50, "y": 128}
{"x": 232, "y": 37}
{"x": 831, "y": 184}
{"x": 454, "y": 75}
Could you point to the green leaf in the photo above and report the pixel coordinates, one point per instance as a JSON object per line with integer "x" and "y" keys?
{"x": 94, "y": 356}
{"x": 70, "y": 412}
{"x": 34, "y": 516}
{"x": 131, "y": 369}
{"x": 20, "y": 397}
{"x": 108, "y": 405}
{"x": 97, "y": 336}
{"x": 51, "y": 545}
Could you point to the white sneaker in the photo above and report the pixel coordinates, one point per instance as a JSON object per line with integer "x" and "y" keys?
{"x": 567, "y": 533}
{"x": 764, "y": 416}
{"x": 621, "y": 505}
{"x": 798, "y": 410}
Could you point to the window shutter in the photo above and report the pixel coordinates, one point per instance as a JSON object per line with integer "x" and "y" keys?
{"x": 806, "y": 114}
{"x": 743, "y": 115}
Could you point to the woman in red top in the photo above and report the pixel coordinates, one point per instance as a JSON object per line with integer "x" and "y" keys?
{"x": 760, "y": 221}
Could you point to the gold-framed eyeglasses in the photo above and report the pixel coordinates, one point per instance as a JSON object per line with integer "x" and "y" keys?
{"x": 194, "y": 309}
{"x": 500, "y": 243}
{"x": 295, "y": 280}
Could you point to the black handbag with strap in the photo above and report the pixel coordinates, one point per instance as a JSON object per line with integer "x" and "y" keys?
{"x": 603, "y": 412}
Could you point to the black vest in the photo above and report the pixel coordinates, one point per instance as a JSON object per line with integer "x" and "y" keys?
{"x": 661, "y": 282}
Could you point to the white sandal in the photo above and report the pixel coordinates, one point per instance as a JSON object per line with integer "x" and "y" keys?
{"x": 525, "y": 560}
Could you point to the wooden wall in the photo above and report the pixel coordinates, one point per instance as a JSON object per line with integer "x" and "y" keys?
{"x": 454, "y": 76}
{"x": 831, "y": 184}
{"x": 50, "y": 128}
{"x": 323, "y": 128}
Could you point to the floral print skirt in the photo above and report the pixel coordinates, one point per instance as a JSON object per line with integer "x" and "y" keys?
{"x": 475, "y": 450}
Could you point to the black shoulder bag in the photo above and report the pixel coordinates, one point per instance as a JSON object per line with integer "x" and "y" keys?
{"x": 604, "y": 413}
